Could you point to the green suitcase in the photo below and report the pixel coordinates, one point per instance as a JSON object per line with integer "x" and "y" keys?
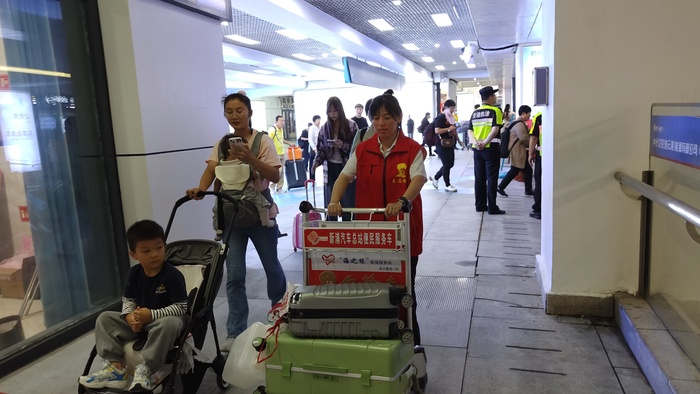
{"x": 338, "y": 366}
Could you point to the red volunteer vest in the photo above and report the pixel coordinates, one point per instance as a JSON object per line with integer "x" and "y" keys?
{"x": 381, "y": 181}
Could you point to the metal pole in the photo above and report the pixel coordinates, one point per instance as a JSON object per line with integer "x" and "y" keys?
{"x": 645, "y": 238}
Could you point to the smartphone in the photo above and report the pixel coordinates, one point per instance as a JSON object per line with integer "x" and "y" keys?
{"x": 235, "y": 140}
{"x": 331, "y": 141}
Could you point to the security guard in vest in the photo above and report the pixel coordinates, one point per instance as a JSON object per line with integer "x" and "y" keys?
{"x": 536, "y": 160}
{"x": 484, "y": 127}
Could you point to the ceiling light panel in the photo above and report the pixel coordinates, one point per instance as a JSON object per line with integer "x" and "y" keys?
{"x": 410, "y": 47}
{"x": 428, "y": 59}
{"x": 439, "y": 67}
{"x": 381, "y": 24}
{"x": 457, "y": 44}
{"x": 441, "y": 20}
{"x": 302, "y": 56}
{"x": 241, "y": 39}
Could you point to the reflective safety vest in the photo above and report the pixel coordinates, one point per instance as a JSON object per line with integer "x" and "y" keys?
{"x": 483, "y": 119}
{"x": 537, "y": 122}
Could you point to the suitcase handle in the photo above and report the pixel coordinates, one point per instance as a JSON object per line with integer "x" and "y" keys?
{"x": 325, "y": 368}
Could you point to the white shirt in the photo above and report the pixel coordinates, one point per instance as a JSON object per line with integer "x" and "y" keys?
{"x": 313, "y": 136}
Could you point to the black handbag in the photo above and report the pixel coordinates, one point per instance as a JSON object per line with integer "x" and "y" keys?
{"x": 447, "y": 142}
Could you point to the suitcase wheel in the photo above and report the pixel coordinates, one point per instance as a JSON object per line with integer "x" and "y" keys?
{"x": 295, "y": 250}
{"x": 407, "y": 336}
{"x": 422, "y": 382}
{"x": 407, "y": 301}
{"x": 400, "y": 325}
{"x": 259, "y": 390}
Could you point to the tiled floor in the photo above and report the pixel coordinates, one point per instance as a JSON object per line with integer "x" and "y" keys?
{"x": 480, "y": 310}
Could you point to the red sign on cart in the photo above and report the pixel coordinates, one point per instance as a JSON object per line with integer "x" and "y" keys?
{"x": 350, "y": 238}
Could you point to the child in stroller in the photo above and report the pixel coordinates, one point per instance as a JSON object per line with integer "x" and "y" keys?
{"x": 154, "y": 301}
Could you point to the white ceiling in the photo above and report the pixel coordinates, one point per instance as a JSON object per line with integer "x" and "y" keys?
{"x": 330, "y": 25}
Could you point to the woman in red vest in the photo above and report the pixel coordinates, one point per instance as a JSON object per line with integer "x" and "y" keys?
{"x": 390, "y": 173}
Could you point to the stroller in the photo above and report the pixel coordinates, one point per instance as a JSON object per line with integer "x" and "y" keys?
{"x": 201, "y": 263}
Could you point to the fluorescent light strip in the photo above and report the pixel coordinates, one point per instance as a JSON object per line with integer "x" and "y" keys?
{"x": 236, "y": 37}
{"x": 442, "y": 20}
{"x": 387, "y": 54}
{"x": 35, "y": 71}
{"x": 457, "y": 44}
{"x": 381, "y": 24}
{"x": 410, "y": 47}
{"x": 439, "y": 67}
{"x": 375, "y": 64}
{"x": 302, "y": 56}
{"x": 292, "y": 34}
{"x": 264, "y": 72}
{"x": 428, "y": 59}
{"x": 342, "y": 53}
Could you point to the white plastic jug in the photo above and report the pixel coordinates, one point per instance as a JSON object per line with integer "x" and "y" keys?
{"x": 242, "y": 368}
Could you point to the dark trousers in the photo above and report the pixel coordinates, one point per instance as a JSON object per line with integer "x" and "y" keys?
{"x": 312, "y": 157}
{"x": 486, "y": 163}
{"x": 536, "y": 207}
{"x": 348, "y": 199}
{"x": 513, "y": 172}
{"x": 447, "y": 157}
{"x": 416, "y": 329}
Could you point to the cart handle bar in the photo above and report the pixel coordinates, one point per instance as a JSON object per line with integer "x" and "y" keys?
{"x": 306, "y": 207}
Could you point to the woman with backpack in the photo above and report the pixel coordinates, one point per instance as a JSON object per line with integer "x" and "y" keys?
{"x": 421, "y": 129}
{"x": 256, "y": 151}
{"x": 517, "y": 146}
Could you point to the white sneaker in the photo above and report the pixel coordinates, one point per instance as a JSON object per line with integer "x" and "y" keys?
{"x": 107, "y": 377}
{"x": 435, "y": 182}
{"x": 142, "y": 379}
{"x": 451, "y": 188}
{"x": 227, "y": 344}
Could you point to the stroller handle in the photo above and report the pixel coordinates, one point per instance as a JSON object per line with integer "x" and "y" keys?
{"x": 185, "y": 199}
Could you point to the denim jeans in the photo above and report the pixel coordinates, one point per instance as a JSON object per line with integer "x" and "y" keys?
{"x": 265, "y": 242}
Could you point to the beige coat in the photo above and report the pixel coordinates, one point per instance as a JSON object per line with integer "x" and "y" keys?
{"x": 518, "y": 144}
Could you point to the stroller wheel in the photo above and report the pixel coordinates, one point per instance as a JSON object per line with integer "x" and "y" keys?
{"x": 221, "y": 383}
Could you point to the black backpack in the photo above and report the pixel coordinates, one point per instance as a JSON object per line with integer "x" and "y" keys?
{"x": 430, "y": 136}
{"x": 505, "y": 139}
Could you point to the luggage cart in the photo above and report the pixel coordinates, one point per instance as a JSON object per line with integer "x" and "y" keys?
{"x": 359, "y": 251}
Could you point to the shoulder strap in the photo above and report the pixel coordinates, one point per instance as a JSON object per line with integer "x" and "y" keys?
{"x": 255, "y": 148}
{"x": 362, "y": 133}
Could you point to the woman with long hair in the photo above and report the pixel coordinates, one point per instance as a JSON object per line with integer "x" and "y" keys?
{"x": 265, "y": 169}
{"x": 333, "y": 150}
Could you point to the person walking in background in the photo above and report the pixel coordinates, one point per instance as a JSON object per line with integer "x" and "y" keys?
{"x": 359, "y": 120}
{"x": 423, "y": 123}
{"x": 276, "y": 132}
{"x": 334, "y": 143}
{"x": 447, "y": 130}
{"x": 536, "y": 160}
{"x": 397, "y": 187}
{"x": 518, "y": 147}
{"x": 313, "y": 139}
{"x": 409, "y": 127}
{"x": 265, "y": 168}
{"x": 484, "y": 126}
{"x": 362, "y": 134}
{"x": 303, "y": 143}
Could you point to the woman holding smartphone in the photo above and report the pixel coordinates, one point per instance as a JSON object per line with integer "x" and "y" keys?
{"x": 333, "y": 151}
{"x": 265, "y": 169}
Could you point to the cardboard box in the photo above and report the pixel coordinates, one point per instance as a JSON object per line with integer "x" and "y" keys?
{"x": 11, "y": 282}
{"x": 15, "y": 274}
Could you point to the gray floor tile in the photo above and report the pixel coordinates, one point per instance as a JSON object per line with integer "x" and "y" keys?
{"x": 444, "y": 328}
{"x": 619, "y": 353}
{"x": 445, "y": 369}
{"x": 633, "y": 381}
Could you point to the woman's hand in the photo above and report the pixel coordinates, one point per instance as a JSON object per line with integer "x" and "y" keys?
{"x": 192, "y": 193}
{"x": 338, "y": 143}
{"x": 393, "y": 209}
{"x": 335, "y": 209}
{"x": 241, "y": 152}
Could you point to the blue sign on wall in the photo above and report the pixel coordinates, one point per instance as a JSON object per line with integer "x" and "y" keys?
{"x": 676, "y": 138}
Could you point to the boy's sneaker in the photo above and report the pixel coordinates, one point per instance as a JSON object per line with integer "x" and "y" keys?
{"x": 451, "y": 188}
{"x": 142, "y": 379}
{"x": 108, "y": 377}
{"x": 435, "y": 182}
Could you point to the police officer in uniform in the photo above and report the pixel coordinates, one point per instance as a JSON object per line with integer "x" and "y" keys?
{"x": 536, "y": 158}
{"x": 484, "y": 127}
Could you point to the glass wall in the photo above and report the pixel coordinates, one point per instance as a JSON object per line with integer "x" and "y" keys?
{"x": 58, "y": 260}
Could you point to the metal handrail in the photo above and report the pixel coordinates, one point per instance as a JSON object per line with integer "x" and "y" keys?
{"x": 690, "y": 214}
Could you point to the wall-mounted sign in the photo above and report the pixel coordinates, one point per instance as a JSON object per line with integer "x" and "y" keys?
{"x": 675, "y": 136}
{"x": 218, "y": 9}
